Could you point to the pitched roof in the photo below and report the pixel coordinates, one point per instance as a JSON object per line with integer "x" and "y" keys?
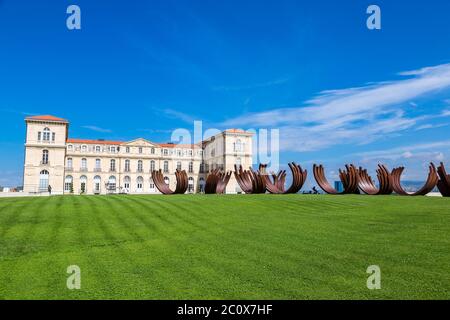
{"x": 110, "y": 142}
{"x": 89, "y": 141}
{"x": 174, "y": 145}
{"x": 238, "y": 131}
{"x": 46, "y": 118}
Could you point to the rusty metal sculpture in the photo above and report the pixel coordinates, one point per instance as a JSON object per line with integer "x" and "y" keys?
{"x": 182, "y": 182}
{"x": 429, "y": 185}
{"x": 367, "y": 185}
{"x": 444, "y": 181}
{"x": 348, "y": 177}
{"x": 276, "y": 185}
{"x": 217, "y": 181}
{"x": 250, "y": 181}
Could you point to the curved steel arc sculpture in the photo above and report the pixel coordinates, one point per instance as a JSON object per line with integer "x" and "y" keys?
{"x": 250, "y": 181}
{"x": 182, "y": 182}
{"x": 349, "y": 178}
{"x": 444, "y": 181}
{"x": 367, "y": 185}
{"x": 276, "y": 184}
{"x": 429, "y": 185}
{"x": 217, "y": 181}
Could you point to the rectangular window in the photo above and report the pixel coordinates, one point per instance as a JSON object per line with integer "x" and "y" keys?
{"x": 140, "y": 149}
{"x": 39, "y": 136}
{"x": 53, "y": 136}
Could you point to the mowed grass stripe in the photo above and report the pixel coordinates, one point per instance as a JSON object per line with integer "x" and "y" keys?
{"x": 202, "y": 246}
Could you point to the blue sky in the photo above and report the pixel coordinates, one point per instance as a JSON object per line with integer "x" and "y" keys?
{"x": 337, "y": 91}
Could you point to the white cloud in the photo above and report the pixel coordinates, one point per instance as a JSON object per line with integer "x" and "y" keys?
{"x": 352, "y": 115}
{"x": 97, "y": 129}
{"x": 174, "y": 114}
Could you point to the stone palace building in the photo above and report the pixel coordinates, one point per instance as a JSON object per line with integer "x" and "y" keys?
{"x": 102, "y": 166}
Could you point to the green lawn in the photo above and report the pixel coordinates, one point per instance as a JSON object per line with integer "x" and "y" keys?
{"x": 225, "y": 247}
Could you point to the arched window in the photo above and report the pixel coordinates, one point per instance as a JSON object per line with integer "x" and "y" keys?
{"x": 46, "y": 135}
{"x": 140, "y": 184}
{"x": 112, "y": 184}
{"x": 152, "y": 166}
{"x": 191, "y": 167}
{"x": 126, "y": 182}
{"x": 179, "y": 165}
{"x": 43, "y": 180}
{"x": 98, "y": 165}
{"x": 83, "y": 164}
{"x": 152, "y": 185}
{"x": 83, "y": 184}
{"x": 69, "y": 163}
{"x": 238, "y": 145}
{"x": 166, "y": 166}
{"x": 112, "y": 165}
{"x": 97, "y": 184}
{"x": 127, "y": 165}
{"x": 68, "y": 184}
{"x": 44, "y": 156}
{"x": 152, "y": 150}
{"x": 191, "y": 184}
{"x": 166, "y": 180}
{"x": 140, "y": 166}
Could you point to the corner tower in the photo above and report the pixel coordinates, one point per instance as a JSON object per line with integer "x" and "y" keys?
{"x": 45, "y": 150}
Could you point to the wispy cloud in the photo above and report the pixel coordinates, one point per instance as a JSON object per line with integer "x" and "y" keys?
{"x": 353, "y": 115}
{"x": 97, "y": 129}
{"x": 406, "y": 152}
{"x": 271, "y": 83}
{"x": 174, "y": 114}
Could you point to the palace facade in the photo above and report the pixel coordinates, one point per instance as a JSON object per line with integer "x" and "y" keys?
{"x": 76, "y": 166}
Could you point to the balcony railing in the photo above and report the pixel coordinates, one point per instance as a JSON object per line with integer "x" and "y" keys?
{"x": 69, "y": 169}
{"x": 83, "y": 169}
{"x": 45, "y": 163}
{"x": 97, "y": 169}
